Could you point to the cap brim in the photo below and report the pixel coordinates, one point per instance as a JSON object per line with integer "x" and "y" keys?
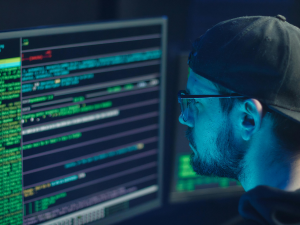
{"x": 294, "y": 115}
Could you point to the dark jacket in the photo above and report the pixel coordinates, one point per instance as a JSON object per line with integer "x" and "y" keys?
{"x": 267, "y": 205}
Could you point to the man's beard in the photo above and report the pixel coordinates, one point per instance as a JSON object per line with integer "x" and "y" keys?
{"x": 228, "y": 162}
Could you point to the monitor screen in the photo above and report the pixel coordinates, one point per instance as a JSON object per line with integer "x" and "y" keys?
{"x": 186, "y": 184}
{"x": 81, "y": 122}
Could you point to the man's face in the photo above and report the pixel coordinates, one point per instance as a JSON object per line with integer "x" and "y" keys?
{"x": 210, "y": 134}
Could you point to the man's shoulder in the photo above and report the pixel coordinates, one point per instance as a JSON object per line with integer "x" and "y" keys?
{"x": 268, "y": 205}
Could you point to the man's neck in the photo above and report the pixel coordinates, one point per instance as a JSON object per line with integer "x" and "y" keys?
{"x": 267, "y": 164}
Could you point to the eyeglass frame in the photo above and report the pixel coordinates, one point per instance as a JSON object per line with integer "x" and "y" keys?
{"x": 187, "y": 96}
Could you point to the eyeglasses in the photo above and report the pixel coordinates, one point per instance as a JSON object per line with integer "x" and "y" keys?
{"x": 185, "y": 99}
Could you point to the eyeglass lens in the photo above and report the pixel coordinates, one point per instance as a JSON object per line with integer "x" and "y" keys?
{"x": 184, "y": 107}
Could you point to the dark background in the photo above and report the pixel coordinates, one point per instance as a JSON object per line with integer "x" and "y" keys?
{"x": 188, "y": 19}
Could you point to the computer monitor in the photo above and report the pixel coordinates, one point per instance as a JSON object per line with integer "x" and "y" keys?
{"x": 82, "y": 112}
{"x": 186, "y": 185}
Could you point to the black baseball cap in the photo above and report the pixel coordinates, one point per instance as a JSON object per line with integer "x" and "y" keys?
{"x": 255, "y": 56}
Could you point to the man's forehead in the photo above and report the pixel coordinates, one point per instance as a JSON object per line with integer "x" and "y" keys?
{"x": 199, "y": 85}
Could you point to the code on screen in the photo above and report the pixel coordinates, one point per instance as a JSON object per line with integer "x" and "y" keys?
{"x": 80, "y": 120}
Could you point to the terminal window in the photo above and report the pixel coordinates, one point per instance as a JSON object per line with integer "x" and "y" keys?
{"x": 80, "y": 119}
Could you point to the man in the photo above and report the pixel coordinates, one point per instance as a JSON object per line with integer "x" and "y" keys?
{"x": 242, "y": 109}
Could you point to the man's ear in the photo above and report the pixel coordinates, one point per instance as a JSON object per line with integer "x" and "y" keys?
{"x": 251, "y": 118}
